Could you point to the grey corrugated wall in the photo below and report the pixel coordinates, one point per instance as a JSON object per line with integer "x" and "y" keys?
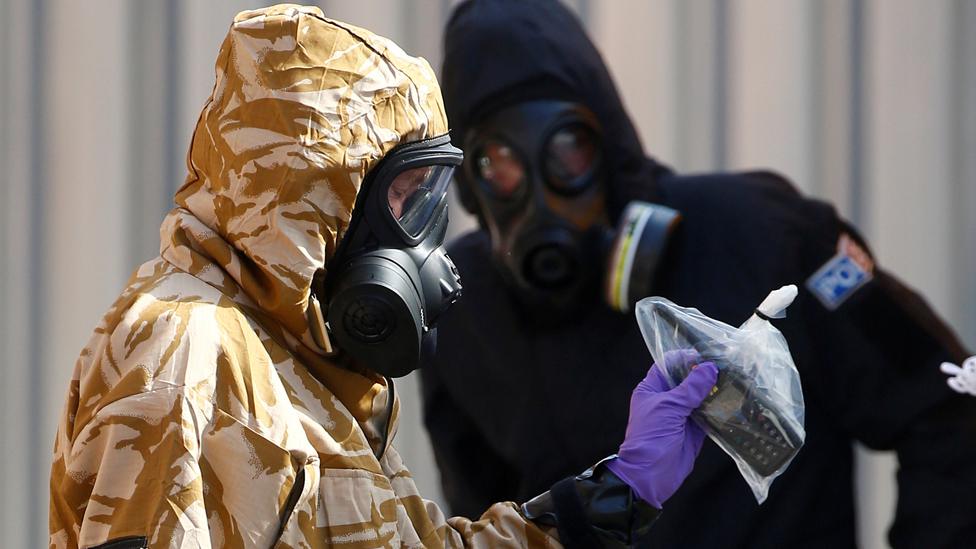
{"x": 868, "y": 103}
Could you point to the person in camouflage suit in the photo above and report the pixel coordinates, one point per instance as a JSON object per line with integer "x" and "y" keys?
{"x": 202, "y": 412}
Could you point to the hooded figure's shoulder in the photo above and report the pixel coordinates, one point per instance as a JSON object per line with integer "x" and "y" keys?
{"x": 712, "y": 189}
{"x": 746, "y": 201}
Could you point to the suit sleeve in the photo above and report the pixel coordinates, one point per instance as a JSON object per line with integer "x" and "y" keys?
{"x": 591, "y": 510}
{"x": 877, "y": 369}
{"x": 130, "y": 476}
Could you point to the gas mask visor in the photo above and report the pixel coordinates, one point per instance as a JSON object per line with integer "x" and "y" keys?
{"x": 390, "y": 278}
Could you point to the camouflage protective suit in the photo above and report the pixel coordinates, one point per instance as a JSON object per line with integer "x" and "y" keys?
{"x": 202, "y": 413}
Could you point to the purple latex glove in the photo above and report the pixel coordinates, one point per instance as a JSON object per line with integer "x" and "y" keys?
{"x": 662, "y": 441}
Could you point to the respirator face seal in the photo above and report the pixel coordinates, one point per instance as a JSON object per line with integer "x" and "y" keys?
{"x": 390, "y": 278}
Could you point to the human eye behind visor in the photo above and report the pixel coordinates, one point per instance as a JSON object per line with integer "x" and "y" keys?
{"x": 413, "y": 195}
{"x": 499, "y": 166}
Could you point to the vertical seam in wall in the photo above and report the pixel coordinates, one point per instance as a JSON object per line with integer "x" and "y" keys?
{"x": 816, "y": 60}
{"x": 408, "y": 25}
{"x": 956, "y": 76}
{"x": 969, "y": 176}
{"x": 5, "y": 260}
{"x": 39, "y": 279}
{"x": 857, "y": 122}
{"x": 723, "y": 46}
{"x": 4, "y": 188}
{"x": 679, "y": 81}
{"x": 135, "y": 159}
{"x": 962, "y": 99}
{"x": 172, "y": 102}
{"x": 585, "y": 14}
{"x": 445, "y": 13}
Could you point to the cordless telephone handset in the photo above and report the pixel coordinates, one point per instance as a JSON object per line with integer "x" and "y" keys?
{"x": 735, "y": 413}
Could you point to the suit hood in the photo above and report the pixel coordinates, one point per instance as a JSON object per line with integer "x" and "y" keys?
{"x": 302, "y": 108}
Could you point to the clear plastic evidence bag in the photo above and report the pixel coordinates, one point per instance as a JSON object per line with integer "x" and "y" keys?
{"x": 755, "y": 412}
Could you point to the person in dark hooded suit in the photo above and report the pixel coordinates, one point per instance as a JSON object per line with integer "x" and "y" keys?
{"x": 535, "y": 363}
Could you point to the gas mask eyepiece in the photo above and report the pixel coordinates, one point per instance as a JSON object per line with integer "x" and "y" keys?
{"x": 390, "y": 278}
{"x": 571, "y": 158}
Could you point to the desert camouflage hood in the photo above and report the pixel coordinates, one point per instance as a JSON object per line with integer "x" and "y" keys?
{"x": 302, "y": 108}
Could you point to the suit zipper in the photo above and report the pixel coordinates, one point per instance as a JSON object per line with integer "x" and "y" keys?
{"x": 290, "y": 503}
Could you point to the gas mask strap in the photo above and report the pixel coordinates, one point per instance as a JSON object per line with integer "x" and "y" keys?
{"x": 316, "y": 324}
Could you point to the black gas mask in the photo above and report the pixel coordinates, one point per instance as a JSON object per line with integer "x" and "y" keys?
{"x": 536, "y": 173}
{"x": 390, "y": 278}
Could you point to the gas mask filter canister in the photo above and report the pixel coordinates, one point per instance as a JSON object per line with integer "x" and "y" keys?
{"x": 636, "y": 252}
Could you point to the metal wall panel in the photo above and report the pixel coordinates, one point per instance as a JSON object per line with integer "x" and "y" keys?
{"x": 961, "y": 219}
{"x": 85, "y": 202}
{"x": 770, "y": 99}
{"x": 638, "y": 45}
{"x": 835, "y": 120}
{"x": 702, "y": 54}
{"x": 16, "y": 402}
{"x": 909, "y": 143}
